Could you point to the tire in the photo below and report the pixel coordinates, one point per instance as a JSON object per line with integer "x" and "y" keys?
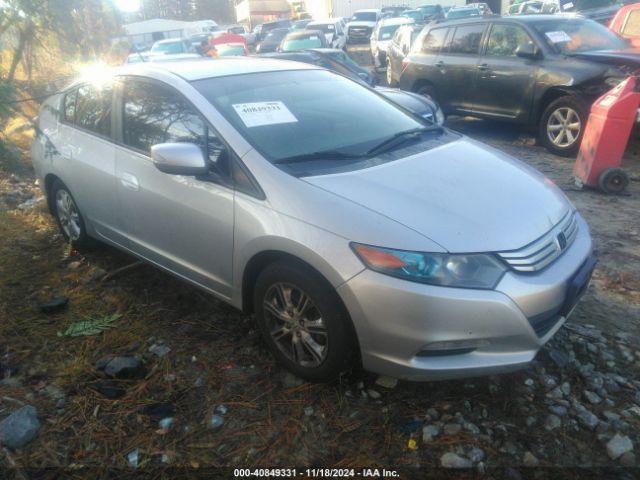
{"x": 72, "y": 225}
{"x": 427, "y": 91}
{"x": 390, "y": 81}
{"x": 556, "y": 121}
{"x": 613, "y": 180}
{"x": 309, "y": 354}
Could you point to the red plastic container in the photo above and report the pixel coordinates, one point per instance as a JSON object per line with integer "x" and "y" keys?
{"x": 605, "y": 138}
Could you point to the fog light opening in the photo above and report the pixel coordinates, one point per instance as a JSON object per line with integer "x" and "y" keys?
{"x": 454, "y": 347}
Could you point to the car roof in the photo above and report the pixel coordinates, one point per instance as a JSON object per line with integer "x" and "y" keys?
{"x": 324, "y": 21}
{"x": 374, "y": 10}
{"x": 395, "y": 21}
{"x": 199, "y": 69}
{"x": 302, "y": 33}
{"x": 511, "y": 18}
{"x": 170, "y": 40}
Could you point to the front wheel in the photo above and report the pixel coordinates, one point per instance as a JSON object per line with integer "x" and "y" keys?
{"x": 303, "y": 322}
{"x": 562, "y": 125}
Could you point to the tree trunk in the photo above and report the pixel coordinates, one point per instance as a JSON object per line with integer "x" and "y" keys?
{"x": 25, "y": 35}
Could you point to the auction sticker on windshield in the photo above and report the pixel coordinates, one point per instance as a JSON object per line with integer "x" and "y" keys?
{"x": 258, "y": 114}
{"x": 558, "y": 37}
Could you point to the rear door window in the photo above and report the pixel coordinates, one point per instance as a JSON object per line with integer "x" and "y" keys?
{"x": 93, "y": 108}
{"x": 434, "y": 40}
{"x": 466, "y": 39}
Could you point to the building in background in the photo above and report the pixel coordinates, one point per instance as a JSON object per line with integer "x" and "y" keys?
{"x": 255, "y": 12}
{"x": 143, "y": 34}
{"x": 344, "y": 8}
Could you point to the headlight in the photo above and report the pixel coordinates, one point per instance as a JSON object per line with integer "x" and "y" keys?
{"x": 448, "y": 270}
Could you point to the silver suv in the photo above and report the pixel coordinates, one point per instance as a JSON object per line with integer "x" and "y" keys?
{"x": 352, "y": 229}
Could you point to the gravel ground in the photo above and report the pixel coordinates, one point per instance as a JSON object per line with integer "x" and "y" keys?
{"x": 173, "y": 377}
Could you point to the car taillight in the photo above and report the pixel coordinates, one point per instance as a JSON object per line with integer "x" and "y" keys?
{"x": 405, "y": 62}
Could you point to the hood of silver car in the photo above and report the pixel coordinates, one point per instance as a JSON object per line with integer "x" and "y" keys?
{"x": 465, "y": 196}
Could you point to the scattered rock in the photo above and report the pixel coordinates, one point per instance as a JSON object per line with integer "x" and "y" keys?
{"x": 429, "y": 432}
{"x": 31, "y": 203}
{"x": 221, "y": 409}
{"x": 618, "y": 446}
{"x": 54, "y": 305}
{"x": 74, "y": 265}
{"x": 558, "y": 410}
{"x": 159, "y": 350}
{"x": 476, "y": 454}
{"x": 216, "y": 421}
{"x": 529, "y": 382}
{"x": 530, "y": 460}
{"x": 588, "y": 419}
{"x": 452, "y": 429}
{"x": 592, "y": 397}
{"x": 133, "y": 458}
{"x": 561, "y": 359}
{"x": 552, "y": 422}
{"x": 386, "y": 382}
{"x": 166, "y": 423}
{"x": 20, "y": 427}
{"x": 290, "y": 380}
{"x": 308, "y": 411}
{"x": 120, "y": 367}
{"x": 109, "y": 388}
{"x": 452, "y": 460}
{"x": 628, "y": 459}
{"x": 373, "y": 394}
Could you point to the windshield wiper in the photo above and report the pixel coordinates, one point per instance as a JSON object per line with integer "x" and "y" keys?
{"x": 399, "y": 138}
{"x": 321, "y": 155}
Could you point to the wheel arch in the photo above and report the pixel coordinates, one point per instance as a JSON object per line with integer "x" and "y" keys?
{"x": 261, "y": 260}
{"x": 550, "y": 95}
{"x": 49, "y": 180}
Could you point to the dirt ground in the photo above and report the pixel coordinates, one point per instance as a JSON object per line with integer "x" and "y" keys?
{"x": 216, "y": 358}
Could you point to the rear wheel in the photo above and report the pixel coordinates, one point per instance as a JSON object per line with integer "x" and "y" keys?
{"x": 390, "y": 81}
{"x": 562, "y": 125}
{"x": 303, "y": 322}
{"x": 68, "y": 216}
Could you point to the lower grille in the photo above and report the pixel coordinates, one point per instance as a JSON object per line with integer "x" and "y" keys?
{"x": 544, "y": 322}
{"x": 546, "y": 249}
{"x": 359, "y": 33}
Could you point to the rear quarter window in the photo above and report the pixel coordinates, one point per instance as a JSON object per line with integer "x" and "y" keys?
{"x": 433, "y": 41}
{"x": 631, "y": 27}
{"x": 466, "y": 39}
{"x": 93, "y": 108}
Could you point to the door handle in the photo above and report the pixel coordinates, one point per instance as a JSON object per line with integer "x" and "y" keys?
{"x": 129, "y": 181}
{"x": 439, "y": 64}
{"x": 483, "y": 67}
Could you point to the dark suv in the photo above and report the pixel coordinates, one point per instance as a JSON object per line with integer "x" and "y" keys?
{"x": 541, "y": 71}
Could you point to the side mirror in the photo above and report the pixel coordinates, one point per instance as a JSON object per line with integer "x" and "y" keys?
{"x": 179, "y": 159}
{"x": 528, "y": 50}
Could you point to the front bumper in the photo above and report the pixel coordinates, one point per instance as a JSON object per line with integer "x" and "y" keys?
{"x": 422, "y": 332}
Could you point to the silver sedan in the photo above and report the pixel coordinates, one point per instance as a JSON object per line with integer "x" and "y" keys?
{"x": 353, "y": 230}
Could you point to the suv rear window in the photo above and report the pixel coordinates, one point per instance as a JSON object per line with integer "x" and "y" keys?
{"x": 466, "y": 39}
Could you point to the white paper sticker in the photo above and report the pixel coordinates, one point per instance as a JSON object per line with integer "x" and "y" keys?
{"x": 567, "y": 5}
{"x": 264, "y": 113}
{"x": 558, "y": 37}
{"x": 386, "y": 35}
{"x": 313, "y": 37}
{"x": 608, "y": 100}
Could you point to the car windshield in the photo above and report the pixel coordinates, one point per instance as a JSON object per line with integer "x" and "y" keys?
{"x": 300, "y": 25}
{"x": 463, "y": 12}
{"x": 575, "y": 35}
{"x": 580, "y": 5}
{"x": 298, "y": 113}
{"x": 415, "y": 14}
{"x": 169, "y": 47}
{"x": 302, "y": 43}
{"x": 386, "y": 33}
{"x": 364, "y": 17}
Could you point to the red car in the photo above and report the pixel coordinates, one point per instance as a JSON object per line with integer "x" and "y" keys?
{"x": 626, "y": 23}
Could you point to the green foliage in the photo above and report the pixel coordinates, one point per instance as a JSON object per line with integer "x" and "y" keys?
{"x": 90, "y": 326}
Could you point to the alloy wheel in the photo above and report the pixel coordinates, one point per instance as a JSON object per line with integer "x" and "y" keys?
{"x": 296, "y": 325}
{"x": 68, "y": 215}
{"x": 563, "y": 127}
